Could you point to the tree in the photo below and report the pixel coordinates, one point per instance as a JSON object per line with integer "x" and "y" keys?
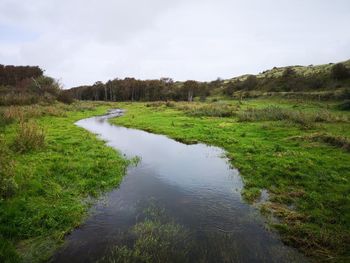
{"x": 203, "y": 91}
{"x": 190, "y": 87}
{"x": 12, "y": 75}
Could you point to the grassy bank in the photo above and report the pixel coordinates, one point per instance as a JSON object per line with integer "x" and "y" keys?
{"x": 298, "y": 151}
{"x": 49, "y": 167}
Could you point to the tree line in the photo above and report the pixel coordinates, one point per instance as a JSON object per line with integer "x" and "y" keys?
{"x": 28, "y": 84}
{"x": 12, "y": 75}
{"x": 23, "y": 85}
{"x": 131, "y": 89}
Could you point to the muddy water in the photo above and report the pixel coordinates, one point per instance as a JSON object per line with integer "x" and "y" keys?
{"x": 193, "y": 186}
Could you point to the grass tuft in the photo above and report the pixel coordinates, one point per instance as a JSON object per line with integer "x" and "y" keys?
{"x": 8, "y": 186}
{"x": 30, "y": 137}
{"x": 275, "y": 113}
{"x": 337, "y": 141}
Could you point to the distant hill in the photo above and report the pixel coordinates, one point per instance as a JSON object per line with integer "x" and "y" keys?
{"x": 329, "y": 81}
{"x": 306, "y": 71}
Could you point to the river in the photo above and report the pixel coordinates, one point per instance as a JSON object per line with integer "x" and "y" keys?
{"x": 186, "y": 197}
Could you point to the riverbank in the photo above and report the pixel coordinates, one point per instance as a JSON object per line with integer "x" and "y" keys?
{"x": 298, "y": 151}
{"x": 49, "y": 169}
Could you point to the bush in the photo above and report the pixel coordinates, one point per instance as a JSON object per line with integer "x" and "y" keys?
{"x": 8, "y": 185}
{"x": 345, "y": 106}
{"x": 340, "y": 72}
{"x": 29, "y": 137}
{"x": 65, "y": 97}
{"x": 250, "y": 83}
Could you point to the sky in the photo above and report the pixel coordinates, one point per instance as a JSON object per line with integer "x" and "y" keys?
{"x": 83, "y": 41}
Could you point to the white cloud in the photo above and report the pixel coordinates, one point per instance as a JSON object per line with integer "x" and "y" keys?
{"x": 84, "y": 41}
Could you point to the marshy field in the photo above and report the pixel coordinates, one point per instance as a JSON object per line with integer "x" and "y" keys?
{"x": 250, "y": 169}
{"x": 292, "y": 157}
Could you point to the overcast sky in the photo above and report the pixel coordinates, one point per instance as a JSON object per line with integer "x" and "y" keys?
{"x": 82, "y": 41}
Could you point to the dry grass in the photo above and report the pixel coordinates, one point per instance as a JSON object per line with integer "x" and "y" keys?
{"x": 18, "y": 99}
{"x": 29, "y": 137}
{"x": 337, "y": 141}
{"x": 23, "y": 113}
{"x": 273, "y": 113}
{"x": 219, "y": 109}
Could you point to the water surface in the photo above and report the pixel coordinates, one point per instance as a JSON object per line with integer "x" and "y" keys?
{"x": 193, "y": 185}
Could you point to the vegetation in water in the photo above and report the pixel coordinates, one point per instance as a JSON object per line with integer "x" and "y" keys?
{"x": 156, "y": 239}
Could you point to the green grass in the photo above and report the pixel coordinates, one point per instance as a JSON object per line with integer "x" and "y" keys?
{"x": 54, "y": 181}
{"x": 306, "y": 169}
{"x": 307, "y": 176}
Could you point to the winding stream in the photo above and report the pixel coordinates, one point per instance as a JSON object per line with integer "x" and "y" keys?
{"x": 193, "y": 186}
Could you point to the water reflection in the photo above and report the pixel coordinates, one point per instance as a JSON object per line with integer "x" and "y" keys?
{"x": 199, "y": 194}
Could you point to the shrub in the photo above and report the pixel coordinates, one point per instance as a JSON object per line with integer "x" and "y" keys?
{"x": 65, "y": 97}
{"x": 288, "y": 72}
{"x": 345, "y": 106}
{"x": 8, "y": 185}
{"x": 339, "y": 71}
{"x": 45, "y": 84}
{"x": 250, "y": 83}
{"x": 30, "y": 137}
